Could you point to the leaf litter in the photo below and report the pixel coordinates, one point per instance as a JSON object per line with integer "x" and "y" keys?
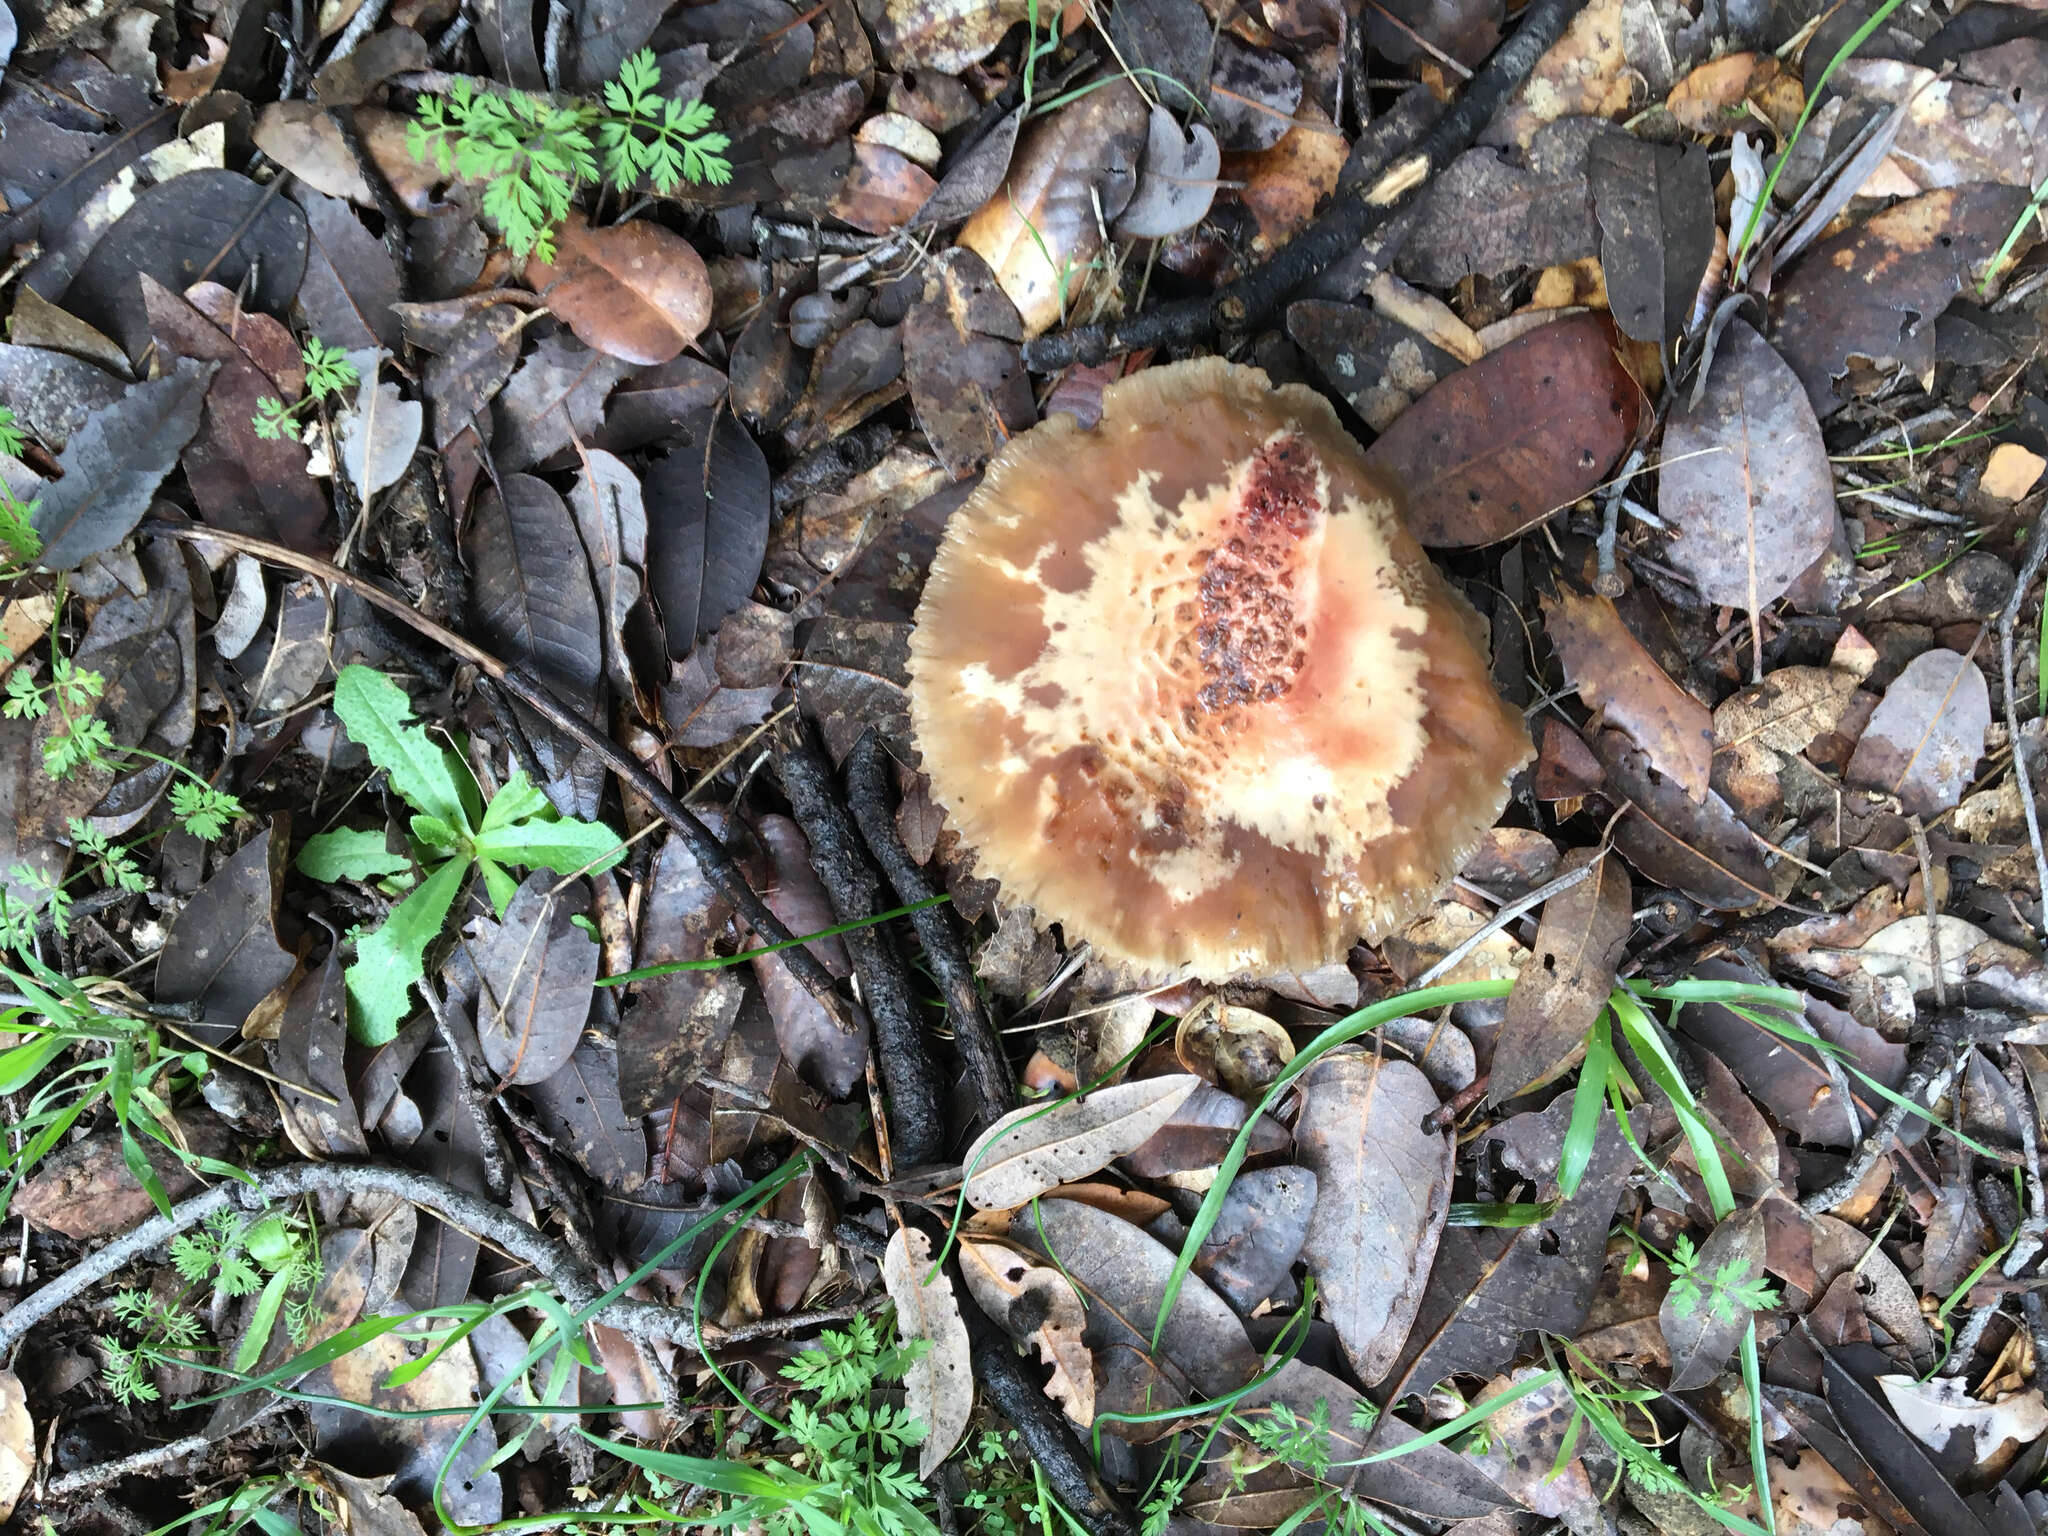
{"x": 1702, "y": 1190}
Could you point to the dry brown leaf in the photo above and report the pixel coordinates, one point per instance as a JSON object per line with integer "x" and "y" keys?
{"x": 633, "y": 290}
{"x": 1122, "y": 1273}
{"x": 1035, "y": 1304}
{"x": 1555, "y": 1001}
{"x": 1746, "y": 481}
{"x": 1953, "y": 133}
{"x": 1041, "y": 230}
{"x": 17, "y": 1442}
{"x": 1238, "y": 1049}
{"x": 1865, "y": 301}
{"x": 1034, "y": 1149}
{"x": 1585, "y": 73}
{"x": 1383, "y": 1189}
{"x": 2012, "y": 472}
{"x": 943, "y": 36}
{"x": 1616, "y": 674}
{"x": 1923, "y": 741}
{"x": 1709, "y": 100}
{"x": 882, "y": 190}
{"x": 939, "y": 1386}
{"x": 303, "y": 138}
{"x": 1756, "y": 730}
{"x": 1284, "y": 185}
{"x": 1498, "y": 447}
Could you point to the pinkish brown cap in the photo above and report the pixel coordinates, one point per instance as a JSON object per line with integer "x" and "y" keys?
{"x": 1189, "y": 687}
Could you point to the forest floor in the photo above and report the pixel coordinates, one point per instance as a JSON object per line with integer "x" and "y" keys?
{"x": 501, "y": 1029}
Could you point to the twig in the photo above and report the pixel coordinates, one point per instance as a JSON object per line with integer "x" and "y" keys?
{"x": 360, "y": 26}
{"x": 711, "y": 854}
{"x": 1936, "y": 1067}
{"x": 974, "y": 1033}
{"x": 2026, "y": 1242}
{"x": 2037, "y": 552}
{"x": 827, "y": 468}
{"x": 1927, "y": 906}
{"x": 1242, "y": 305}
{"x": 1503, "y": 917}
{"x": 917, "y": 1118}
{"x": 497, "y": 1177}
{"x": 1008, "y": 1385}
{"x": 546, "y": 1256}
{"x": 86, "y": 1479}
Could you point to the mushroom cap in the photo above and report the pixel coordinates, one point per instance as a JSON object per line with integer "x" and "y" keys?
{"x": 1188, "y": 686}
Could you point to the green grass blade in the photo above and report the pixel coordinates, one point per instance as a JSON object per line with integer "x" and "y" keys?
{"x": 1856, "y": 40}
{"x": 1342, "y": 1032}
{"x": 1598, "y": 1070}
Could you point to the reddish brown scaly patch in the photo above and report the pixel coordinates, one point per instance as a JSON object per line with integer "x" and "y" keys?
{"x": 1251, "y": 643}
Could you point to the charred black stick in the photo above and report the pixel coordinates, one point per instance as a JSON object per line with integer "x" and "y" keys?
{"x": 1245, "y": 303}
{"x": 974, "y": 1033}
{"x": 917, "y": 1116}
{"x": 711, "y": 854}
{"x": 1010, "y": 1385}
{"x": 827, "y": 468}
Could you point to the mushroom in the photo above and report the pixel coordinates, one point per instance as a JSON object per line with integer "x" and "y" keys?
{"x": 1188, "y": 686}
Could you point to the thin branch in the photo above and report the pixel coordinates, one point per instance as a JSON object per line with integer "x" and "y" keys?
{"x": 2037, "y": 552}
{"x": 917, "y": 1116}
{"x": 1503, "y": 917}
{"x": 1939, "y": 1061}
{"x": 548, "y": 1258}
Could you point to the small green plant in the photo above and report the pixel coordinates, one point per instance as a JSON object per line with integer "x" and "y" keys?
{"x": 1727, "y": 1293}
{"x": 19, "y": 541}
{"x": 80, "y": 739}
{"x": 534, "y": 155}
{"x": 275, "y": 1259}
{"x": 116, "y": 1059}
{"x": 251, "y": 1505}
{"x": 846, "y": 1475}
{"x": 452, "y": 832}
{"x": 328, "y": 373}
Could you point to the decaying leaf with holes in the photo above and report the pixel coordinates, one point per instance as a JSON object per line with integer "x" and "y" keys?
{"x": 1034, "y": 1303}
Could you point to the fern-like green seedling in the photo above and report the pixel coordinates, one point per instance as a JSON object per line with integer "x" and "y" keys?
{"x": 328, "y": 373}
{"x": 453, "y": 833}
{"x": 534, "y": 155}
{"x": 1728, "y": 1293}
